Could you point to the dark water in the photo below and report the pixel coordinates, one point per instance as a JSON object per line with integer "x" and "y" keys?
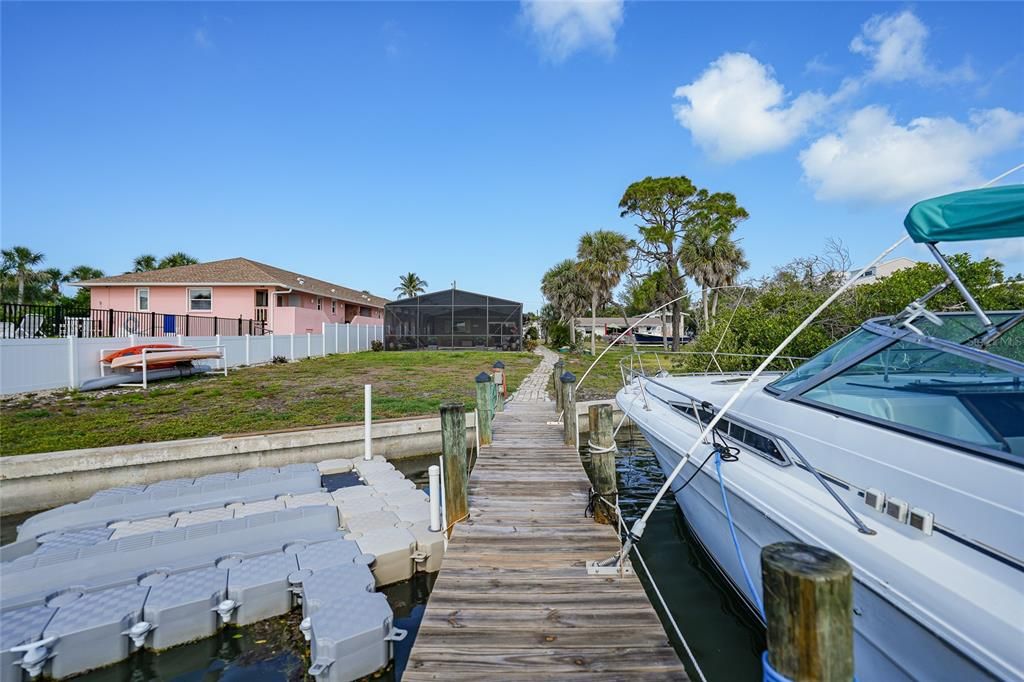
{"x": 724, "y": 637}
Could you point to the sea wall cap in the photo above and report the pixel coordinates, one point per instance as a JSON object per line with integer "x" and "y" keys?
{"x": 483, "y": 378}
{"x": 568, "y": 377}
{"x": 498, "y": 365}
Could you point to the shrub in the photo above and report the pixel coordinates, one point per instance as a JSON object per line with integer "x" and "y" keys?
{"x": 530, "y": 344}
{"x": 376, "y": 346}
{"x": 279, "y": 360}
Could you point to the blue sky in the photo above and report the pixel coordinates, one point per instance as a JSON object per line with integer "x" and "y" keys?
{"x": 476, "y": 141}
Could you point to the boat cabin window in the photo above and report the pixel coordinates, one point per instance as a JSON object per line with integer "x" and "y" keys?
{"x": 754, "y": 441}
{"x": 932, "y": 392}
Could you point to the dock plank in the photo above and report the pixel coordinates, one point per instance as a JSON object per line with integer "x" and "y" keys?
{"x": 513, "y": 600}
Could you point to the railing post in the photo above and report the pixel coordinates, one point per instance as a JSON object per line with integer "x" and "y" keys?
{"x": 215, "y": 330}
{"x": 110, "y": 322}
{"x": 483, "y": 406}
{"x": 602, "y": 463}
{"x": 559, "y": 369}
{"x": 808, "y": 604}
{"x": 309, "y": 345}
{"x": 291, "y": 345}
{"x": 152, "y": 324}
{"x": 72, "y": 362}
{"x": 568, "y": 381}
{"x": 453, "y": 453}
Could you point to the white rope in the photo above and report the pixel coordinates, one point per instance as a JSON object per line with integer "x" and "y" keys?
{"x": 595, "y": 449}
{"x": 657, "y": 592}
{"x": 638, "y": 527}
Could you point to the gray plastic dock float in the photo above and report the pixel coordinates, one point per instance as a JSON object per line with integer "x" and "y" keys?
{"x": 160, "y": 565}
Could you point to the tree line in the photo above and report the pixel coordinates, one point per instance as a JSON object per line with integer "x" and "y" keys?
{"x": 683, "y": 231}
{"x": 686, "y": 232}
{"x": 24, "y": 280}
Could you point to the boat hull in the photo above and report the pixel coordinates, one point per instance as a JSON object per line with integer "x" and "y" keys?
{"x": 888, "y": 644}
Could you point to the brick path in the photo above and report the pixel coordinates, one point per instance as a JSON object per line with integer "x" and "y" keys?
{"x": 534, "y": 388}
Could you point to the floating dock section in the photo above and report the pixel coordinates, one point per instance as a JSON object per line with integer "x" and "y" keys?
{"x": 159, "y": 565}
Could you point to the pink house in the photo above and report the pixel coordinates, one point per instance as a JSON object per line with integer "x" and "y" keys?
{"x": 288, "y": 302}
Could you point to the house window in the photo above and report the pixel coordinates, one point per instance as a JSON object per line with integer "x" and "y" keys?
{"x": 200, "y": 299}
{"x": 334, "y": 307}
{"x": 319, "y": 303}
{"x": 142, "y": 298}
{"x": 261, "y": 298}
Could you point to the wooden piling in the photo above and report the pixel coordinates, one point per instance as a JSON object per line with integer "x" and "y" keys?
{"x": 559, "y": 368}
{"x": 602, "y": 463}
{"x": 483, "y": 407}
{"x": 568, "y": 382}
{"x": 453, "y": 451}
{"x": 808, "y": 602}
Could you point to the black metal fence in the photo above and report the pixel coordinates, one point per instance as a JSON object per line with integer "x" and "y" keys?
{"x": 26, "y": 321}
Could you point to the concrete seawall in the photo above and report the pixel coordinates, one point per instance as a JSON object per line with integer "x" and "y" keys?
{"x": 40, "y": 481}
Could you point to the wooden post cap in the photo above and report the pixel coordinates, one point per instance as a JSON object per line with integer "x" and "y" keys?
{"x": 483, "y": 378}
{"x": 498, "y": 365}
{"x": 568, "y": 377}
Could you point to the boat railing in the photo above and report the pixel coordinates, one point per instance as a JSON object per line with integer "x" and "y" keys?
{"x": 632, "y": 365}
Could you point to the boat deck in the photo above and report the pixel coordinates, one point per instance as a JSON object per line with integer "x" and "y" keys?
{"x": 513, "y": 600}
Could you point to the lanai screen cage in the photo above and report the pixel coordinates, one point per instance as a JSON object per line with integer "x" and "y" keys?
{"x": 453, "y": 319}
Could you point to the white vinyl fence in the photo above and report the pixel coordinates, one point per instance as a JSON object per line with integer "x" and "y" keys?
{"x": 40, "y": 364}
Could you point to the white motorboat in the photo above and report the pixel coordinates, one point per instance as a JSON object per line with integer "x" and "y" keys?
{"x": 900, "y": 448}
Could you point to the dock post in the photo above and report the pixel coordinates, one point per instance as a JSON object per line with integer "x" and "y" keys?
{"x": 484, "y": 407}
{"x": 498, "y": 378}
{"x": 602, "y": 463}
{"x": 453, "y": 453}
{"x": 434, "y": 488}
{"x": 559, "y": 368}
{"x": 568, "y": 381}
{"x": 367, "y": 422}
{"x": 808, "y": 602}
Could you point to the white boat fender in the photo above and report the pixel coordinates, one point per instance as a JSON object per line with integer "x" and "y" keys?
{"x": 35, "y": 655}
{"x": 306, "y": 628}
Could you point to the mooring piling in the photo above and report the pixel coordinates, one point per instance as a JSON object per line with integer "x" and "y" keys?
{"x": 433, "y": 487}
{"x": 808, "y": 604}
{"x": 557, "y": 388}
{"x": 484, "y": 406}
{"x": 367, "y": 422}
{"x": 453, "y": 453}
{"x": 568, "y": 381}
{"x": 602, "y": 463}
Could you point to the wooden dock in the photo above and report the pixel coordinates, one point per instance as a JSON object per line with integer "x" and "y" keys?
{"x": 513, "y": 600}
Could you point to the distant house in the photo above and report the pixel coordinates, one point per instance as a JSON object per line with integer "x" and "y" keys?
{"x": 884, "y": 269}
{"x": 288, "y": 302}
{"x": 613, "y": 326}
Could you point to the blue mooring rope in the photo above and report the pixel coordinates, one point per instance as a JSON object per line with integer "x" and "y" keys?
{"x": 769, "y": 673}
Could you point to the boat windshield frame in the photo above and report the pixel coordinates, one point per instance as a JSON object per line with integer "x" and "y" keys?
{"x": 887, "y": 336}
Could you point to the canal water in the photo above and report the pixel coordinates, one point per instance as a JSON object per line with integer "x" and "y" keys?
{"x": 724, "y": 637}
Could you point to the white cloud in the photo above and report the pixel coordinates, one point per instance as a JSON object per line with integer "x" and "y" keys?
{"x": 563, "y": 27}
{"x": 737, "y": 109}
{"x": 895, "y": 44}
{"x": 201, "y": 37}
{"x": 873, "y": 158}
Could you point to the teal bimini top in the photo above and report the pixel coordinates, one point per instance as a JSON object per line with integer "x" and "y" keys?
{"x": 992, "y": 213}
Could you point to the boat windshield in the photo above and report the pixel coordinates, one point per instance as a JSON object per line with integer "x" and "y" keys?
{"x": 933, "y": 392}
{"x": 837, "y": 352}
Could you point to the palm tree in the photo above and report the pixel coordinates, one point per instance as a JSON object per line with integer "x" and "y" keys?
{"x": 20, "y": 260}
{"x": 53, "y": 278}
{"x": 713, "y": 259}
{"x": 410, "y": 284}
{"x": 603, "y": 258}
{"x": 563, "y": 286}
{"x": 145, "y": 263}
{"x": 81, "y": 273}
{"x": 176, "y": 259}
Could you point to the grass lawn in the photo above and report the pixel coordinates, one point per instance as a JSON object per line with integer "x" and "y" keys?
{"x": 305, "y": 393}
{"x": 604, "y": 380}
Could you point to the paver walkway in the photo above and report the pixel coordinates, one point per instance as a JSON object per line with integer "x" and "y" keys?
{"x": 534, "y": 388}
{"x": 513, "y": 600}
